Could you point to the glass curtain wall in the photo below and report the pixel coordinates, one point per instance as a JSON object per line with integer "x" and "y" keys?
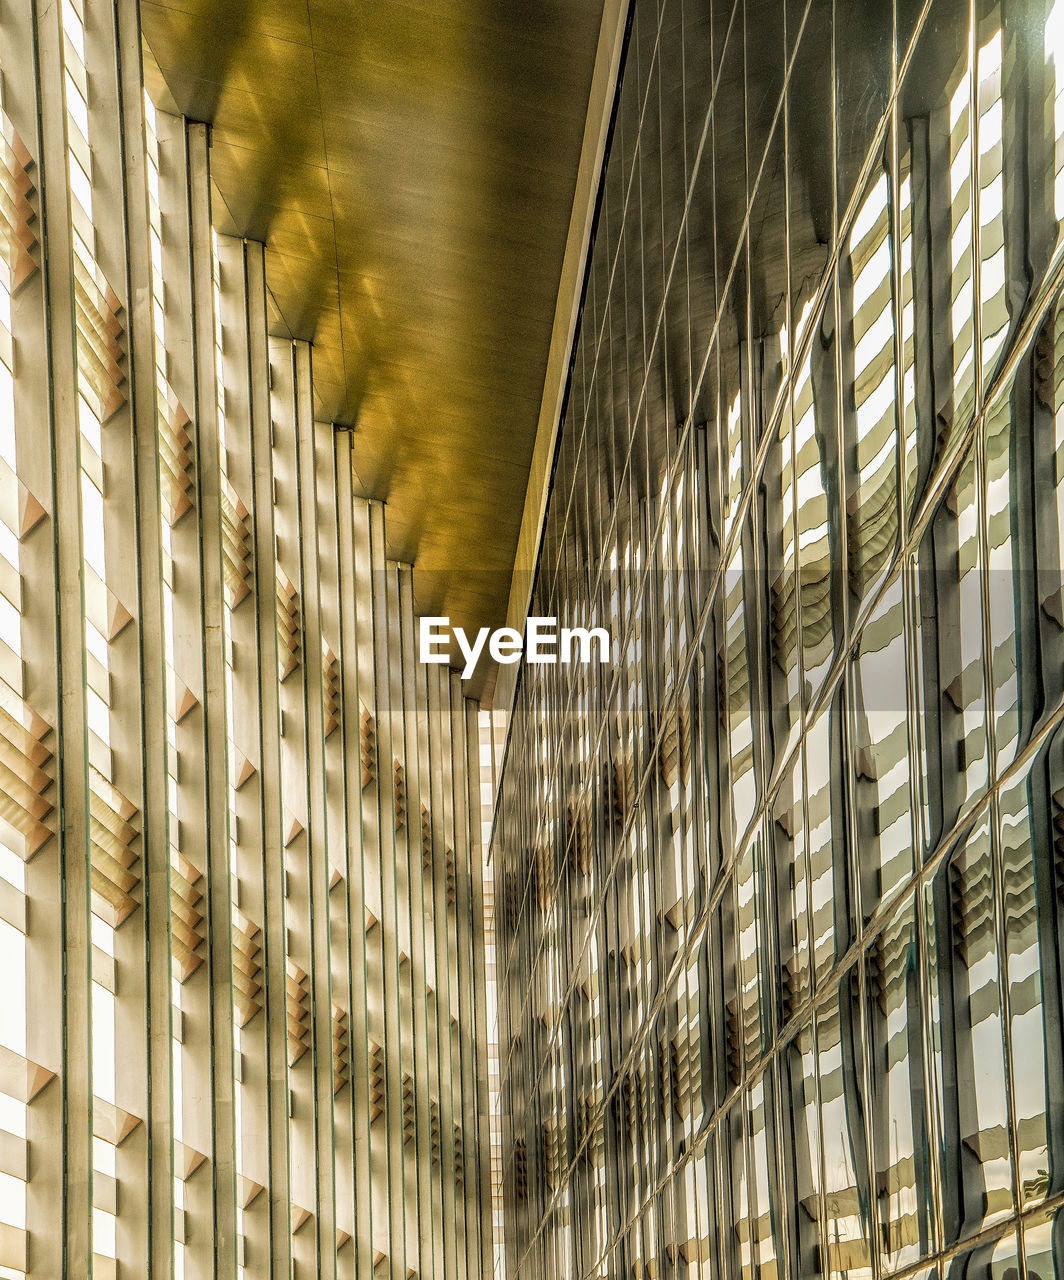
{"x": 779, "y": 893}
{"x": 241, "y": 917}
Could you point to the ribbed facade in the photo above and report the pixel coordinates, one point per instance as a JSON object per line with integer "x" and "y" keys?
{"x": 243, "y": 1028}
{"x": 779, "y": 894}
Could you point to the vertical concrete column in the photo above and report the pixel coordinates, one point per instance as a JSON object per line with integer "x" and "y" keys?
{"x": 215, "y": 729}
{"x": 70, "y": 969}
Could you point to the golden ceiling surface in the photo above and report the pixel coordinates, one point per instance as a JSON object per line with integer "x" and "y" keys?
{"x": 411, "y": 168}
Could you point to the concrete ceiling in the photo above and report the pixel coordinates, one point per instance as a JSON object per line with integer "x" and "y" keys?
{"x": 411, "y": 167}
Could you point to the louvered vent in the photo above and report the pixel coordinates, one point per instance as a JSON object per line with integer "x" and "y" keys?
{"x": 115, "y": 861}
{"x": 972, "y": 893}
{"x": 549, "y": 1149}
{"x": 426, "y": 838}
{"x": 751, "y": 1025}
{"x": 400, "y": 795}
{"x": 18, "y": 237}
{"x": 598, "y": 1134}
{"x": 885, "y": 971}
{"x": 511, "y": 902}
{"x": 666, "y": 1056}
{"x": 733, "y": 1041}
{"x": 19, "y": 509}
{"x": 623, "y": 787}
{"x": 1058, "y": 839}
{"x": 870, "y": 528}
{"x": 175, "y": 459}
{"x": 1021, "y": 907}
{"x": 452, "y": 885}
{"x": 99, "y": 341}
{"x": 784, "y": 635}
{"x": 633, "y": 1102}
{"x": 589, "y": 1134}
{"x": 580, "y": 830}
{"x": 459, "y": 1158}
{"x": 187, "y": 921}
{"x": 733, "y": 670}
{"x": 340, "y": 1042}
{"x": 27, "y": 771}
{"x": 247, "y": 969}
{"x": 297, "y": 989}
{"x": 789, "y": 988}
{"x": 289, "y": 644}
{"x": 434, "y": 1124}
{"x": 376, "y": 1080}
{"x": 582, "y": 1127}
{"x": 409, "y": 1118}
{"x": 674, "y": 748}
{"x": 642, "y": 1097}
{"x": 693, "y": 1052}
{"x": 236, "y": 547}
{"x": 367, "y": 746}
{"x": 330, "y": 673}
{"x": 683, "y": 1073}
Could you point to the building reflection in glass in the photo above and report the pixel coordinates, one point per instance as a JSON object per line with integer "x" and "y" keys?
{"x": 791, "y": 1004}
